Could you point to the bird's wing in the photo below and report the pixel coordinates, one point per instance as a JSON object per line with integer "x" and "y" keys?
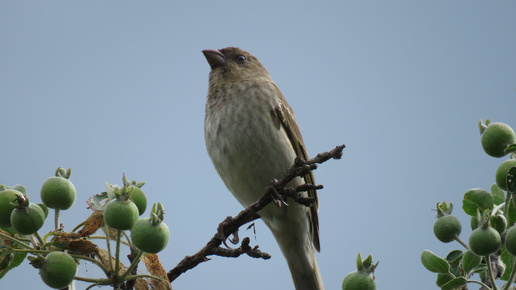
{"x": 283, "y": 116}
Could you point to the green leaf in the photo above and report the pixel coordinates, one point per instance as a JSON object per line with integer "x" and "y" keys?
{"x": 479, "y": 269}
{"x": 433, "y": 263}
{"x": 476, "y": 199}
{"x": 444, "y": 209}
{"x": 44, "y": 208}
{"x": 98, "y": 201}
{"x": 454, "y": 258}
{"x": 470, "y": 261}
{"x": 359, "y": 257}
{"x": 511, "y": 180}
{"x": 17, "y": 259}
{"x": 20, "y": 188}
{"x": 454, "y": 283}
{"x": 512, "y": 213}
{"x": 498, "y": 194}
{"x": 481, "y": 126}
{"x": 508, "y": 259}
{"x": 443, "y": 279}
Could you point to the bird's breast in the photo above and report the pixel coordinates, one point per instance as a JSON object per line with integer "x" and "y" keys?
{"x": 246, "y": 147}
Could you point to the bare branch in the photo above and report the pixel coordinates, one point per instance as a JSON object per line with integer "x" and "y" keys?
{"x": 274, "y": 193}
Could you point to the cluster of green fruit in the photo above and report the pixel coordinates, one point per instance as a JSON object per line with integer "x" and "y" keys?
{"x": 492, "y": 218}
{"x": 57, "y": 268}
{"x": 27, "y": 218}
{"x": 485, "y": 240}
{"x": 121, "y": 213}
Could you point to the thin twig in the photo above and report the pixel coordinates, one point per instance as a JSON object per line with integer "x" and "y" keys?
{"x": 273, "y": 193}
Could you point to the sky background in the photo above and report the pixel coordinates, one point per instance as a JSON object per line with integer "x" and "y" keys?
{"x": 112, "y": 87}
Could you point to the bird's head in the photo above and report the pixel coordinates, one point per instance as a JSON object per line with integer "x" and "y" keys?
{"x": 232, "y": 64}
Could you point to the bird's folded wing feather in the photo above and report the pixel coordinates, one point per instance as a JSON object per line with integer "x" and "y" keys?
{"x": 283, "y": 117}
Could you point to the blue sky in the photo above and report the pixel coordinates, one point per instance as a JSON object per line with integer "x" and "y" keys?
{"x": 114, "y": 87}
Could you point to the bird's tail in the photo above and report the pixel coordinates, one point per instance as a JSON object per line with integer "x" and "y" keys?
{"x": 296, "y": 246}
{"x": 304, "y": 270}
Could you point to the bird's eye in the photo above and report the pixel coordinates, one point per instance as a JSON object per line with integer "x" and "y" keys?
{"x": 241, "y": 58}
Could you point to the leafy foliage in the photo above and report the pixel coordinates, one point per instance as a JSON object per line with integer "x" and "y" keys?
{"x": 491, "y": 213}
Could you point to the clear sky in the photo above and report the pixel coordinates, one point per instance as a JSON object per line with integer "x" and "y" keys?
{"x": 108, "y": 87}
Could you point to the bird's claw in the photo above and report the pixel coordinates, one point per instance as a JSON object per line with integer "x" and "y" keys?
{"x": 276, "y": 196}
{"x": 223, "y": 237}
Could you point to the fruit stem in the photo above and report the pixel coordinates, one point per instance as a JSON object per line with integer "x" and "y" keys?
{"x": 10, "y": 238}
{"x": 128, "y": 243}
{"x": 40, "y": 239}
{"x": 101, "y": 265}
{"x": 490, "y": 272}
{"x": 34, "y": 242}
{"x": 133, "y": 264}
{"x": 56, "y": 218}
{"x": 97, "y": 282}
{"x": 479, "y": 283}
{"x": 511, "y": 277}
{"x": 117, "y": 256}
{"x": 104, "y": 237}
{"x": 461, "y": 242}
{"x": 108, "y": 246}
{"x": 100, "y": 282}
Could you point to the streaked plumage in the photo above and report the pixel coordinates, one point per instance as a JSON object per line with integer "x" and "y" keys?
{"x": 252, "y": 137}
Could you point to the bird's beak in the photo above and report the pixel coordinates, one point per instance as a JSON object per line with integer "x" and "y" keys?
{"x": 214, "y": 57}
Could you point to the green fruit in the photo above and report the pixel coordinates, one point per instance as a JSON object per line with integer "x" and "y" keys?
{"x": 120, "y": 215}
{"x": 150, "y": 237}
{"x": 501, "y": 173}
{"x": 58, "y": 192}
{"x": 498, "y": 222}
{"x": 446, "y": 228}
{"x": 510, "y": 241}
{"x": 496, "y": 137}
{"x": 139, "y": 199}
{"x": 6, "y": 197}
{"x": 28, "y": 220}
{"x": 484, "y": 241}
{"x": 59, "y": 270}
{"x": 358, "y": 280}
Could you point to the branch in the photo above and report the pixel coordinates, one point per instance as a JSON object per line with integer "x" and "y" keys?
{"x": 273, "y": 193}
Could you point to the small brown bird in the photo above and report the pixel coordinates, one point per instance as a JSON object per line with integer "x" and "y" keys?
{"x": 252, "y": 137}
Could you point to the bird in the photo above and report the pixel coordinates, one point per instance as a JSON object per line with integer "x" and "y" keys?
{"x": 252, "y": 137}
